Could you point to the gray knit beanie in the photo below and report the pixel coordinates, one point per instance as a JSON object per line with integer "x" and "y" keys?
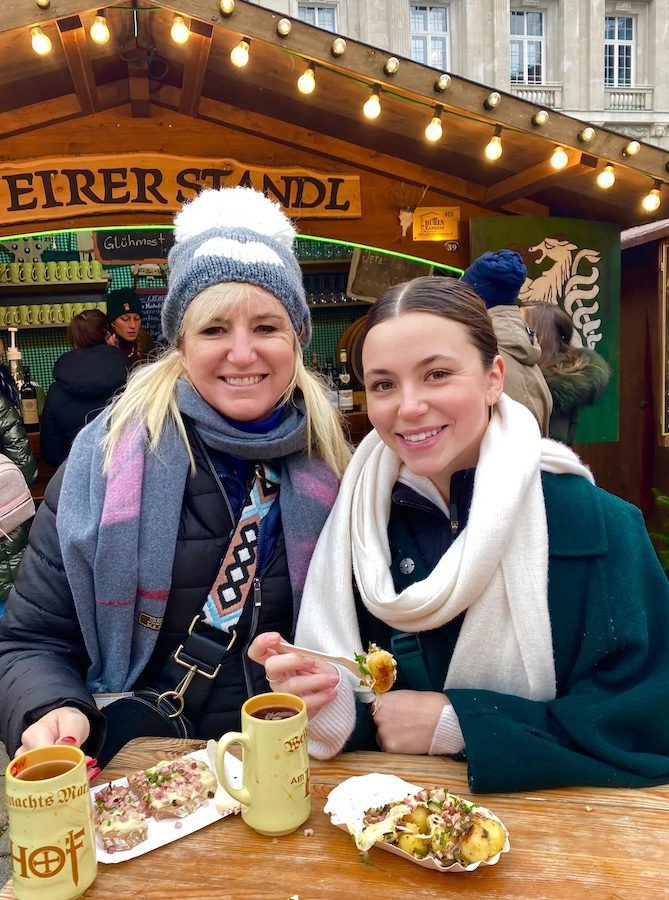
{"x": 234, "y": 234}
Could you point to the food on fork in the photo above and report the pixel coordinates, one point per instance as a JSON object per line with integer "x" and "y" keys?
{"x": 434, "y": 823}
{"x": 174, "y": 787}
{"x": 119, "y": 818}
{"x": 378, "y": 669}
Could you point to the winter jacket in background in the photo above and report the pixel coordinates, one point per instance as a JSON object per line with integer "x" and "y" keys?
{"x": 84, "y": 382}
{"x": 15, "y": 446}
{"x": 572, "y": 386}
{"x": 523, "y": 379}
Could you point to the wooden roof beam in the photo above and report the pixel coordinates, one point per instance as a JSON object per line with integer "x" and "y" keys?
{"x": 199, "y": 47}
{"x": 138, "y": 82}
{"x": 536, "y": 178}
{"x": 75, "y": 47}
{"x": 19, "y": 13}
{"x": 39, "y": 115}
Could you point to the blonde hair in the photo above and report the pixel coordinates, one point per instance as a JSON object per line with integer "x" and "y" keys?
{"x": 150, "y": 396}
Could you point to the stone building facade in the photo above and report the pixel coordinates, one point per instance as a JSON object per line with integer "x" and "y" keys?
{"x": 606, "y": 61}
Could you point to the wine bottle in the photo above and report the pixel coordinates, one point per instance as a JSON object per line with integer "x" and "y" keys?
{"x": 345, "y": 390}
{"x": 333, "y": 393}
{"x": 28, "y": 394}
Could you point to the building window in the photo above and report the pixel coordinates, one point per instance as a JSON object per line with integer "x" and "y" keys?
{"x": 618, "y": 51}
{"x": 429, "y": 35}
{"x": 527, "y": 47}
{"x": 322, "y": 16}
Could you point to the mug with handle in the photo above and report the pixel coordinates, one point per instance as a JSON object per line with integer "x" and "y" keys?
{"x": 275, "y": 794}
{"x": 44, "y": 317}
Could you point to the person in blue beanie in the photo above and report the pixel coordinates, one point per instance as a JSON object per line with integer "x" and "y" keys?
{"x": 497, "y": 277}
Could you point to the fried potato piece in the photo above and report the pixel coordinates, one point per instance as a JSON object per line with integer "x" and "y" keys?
{"x": 378, "y": 669}
{"x": 414, "y": 844}
{"x": 484, "y": 839}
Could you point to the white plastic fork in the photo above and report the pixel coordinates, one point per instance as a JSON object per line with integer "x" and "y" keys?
{"x": 349, "y": 664}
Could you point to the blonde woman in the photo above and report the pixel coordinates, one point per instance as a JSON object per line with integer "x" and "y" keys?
{"x": 186, "y": 517}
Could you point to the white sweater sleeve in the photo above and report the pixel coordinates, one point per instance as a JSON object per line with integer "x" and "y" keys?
{"x": 447, "y": 738}
{"x": 333, "y": 725}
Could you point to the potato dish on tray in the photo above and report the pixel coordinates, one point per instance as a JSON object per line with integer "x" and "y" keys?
{"x": 428, "y": 826}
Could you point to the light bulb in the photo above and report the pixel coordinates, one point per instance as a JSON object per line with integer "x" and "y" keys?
{"x": 180, "y": 32}
{"x": 493, "y": 150}
{"x": 306, "y": 83}
{"x": 372, "y": 107}
{"x": 99, "y": 30}
{"x": 559, "y": 159}
{"x": 227, "y": 7}
{"x": 586, "y": 134}
{"x": 492, "y": 100}
{"x": 632, "y": 148}
{"x": 433, "y": 130}
{"x": 239, "y": 55}
{"x": 540, "y": 118}
{"x": 606, "y": 178}
{"x": 284, "y": 27}
{"x": 652, "y": 200}
{"x": 392, "y": 65}
{"x": 442, "y": 83}
{"x": 41, "y": 42}
{"x": 338, "y": 47}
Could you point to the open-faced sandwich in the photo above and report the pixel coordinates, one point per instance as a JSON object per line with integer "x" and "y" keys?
{"x": 434, "y": 824}
{"x": 174, "y": 787}
{"x": 119, "y": 817}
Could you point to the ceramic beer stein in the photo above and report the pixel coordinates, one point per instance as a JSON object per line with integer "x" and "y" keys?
{"x": 74, "y": 270}
{"x": 62, "y": 270}
{"x": 51, "y": 840}
{"x": 275, "y": 794}
{"x": 52, "y": 271}
{"x": 44, "y": 316}
{"x": 39, "y": 273}
{"x": 25, "y": 315}
{"x": 57, "y": 313}
{"x": 17, "y": 273}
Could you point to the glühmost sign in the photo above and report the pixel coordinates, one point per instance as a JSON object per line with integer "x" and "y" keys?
{"x": 41, "y": 189}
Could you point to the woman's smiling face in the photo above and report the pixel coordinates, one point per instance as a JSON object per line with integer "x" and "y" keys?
{"x": 242, "y": 362}
{"x": 428, "y": 393}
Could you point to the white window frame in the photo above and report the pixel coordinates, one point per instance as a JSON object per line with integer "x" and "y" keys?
{"x": 429, "y": 34}
{"x": 317, "y": 7}
{"x": 617, "y": 43}
{"x": 525, "y": 39}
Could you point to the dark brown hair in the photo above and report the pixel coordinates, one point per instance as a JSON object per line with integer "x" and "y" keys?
{"x": 90, "y": 327}
{"x": 553, "y": 329}
{"x": 445, "y": 297}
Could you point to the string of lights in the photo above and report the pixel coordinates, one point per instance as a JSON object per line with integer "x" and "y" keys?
{"x": 307, "y": 84}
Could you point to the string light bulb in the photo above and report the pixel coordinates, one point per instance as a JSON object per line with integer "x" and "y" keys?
{"x": 100, "y": 30}
{"x": 586, "y": 134}
{"x": 306, "y": 83}
{"x": 284, "y": 27}
{"x": 338, "y": 47}
{"x": 540, "y": 118}
{"x": 632, "y": 148}
{"x": 652, "y": 201}
{"x": 239, "y": 55}
{"x": 606, "y": 178}
{"x": 392, "y": 65}
{"x": 494, "y": 148}
{"x": 372, "y": 107}
{"x": 43, "y": 4}
{"x": 179, "y": 32}
{"x": 492, "y": 100}
{"x": 227, "y": 7}
{"x": 442, "y": 83}
{"x": 559, "y": 159}
{"x": 434, "y": 130}
{"x": 41, "y": 43}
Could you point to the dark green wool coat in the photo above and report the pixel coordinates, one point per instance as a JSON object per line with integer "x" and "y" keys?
{"x": 573, "y": 388}
{"x": 609, "y": 608}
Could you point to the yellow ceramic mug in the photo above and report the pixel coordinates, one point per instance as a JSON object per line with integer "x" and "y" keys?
{"x": 51, "y": 840}
{"x": 275, "y": 794}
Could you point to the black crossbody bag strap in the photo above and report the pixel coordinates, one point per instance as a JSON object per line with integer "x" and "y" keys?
{"x": 408, "y": 652}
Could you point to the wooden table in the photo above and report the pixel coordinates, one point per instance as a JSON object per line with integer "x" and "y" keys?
{"x": 578, "y": 842}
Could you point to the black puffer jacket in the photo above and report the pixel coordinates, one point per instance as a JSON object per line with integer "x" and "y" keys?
{"x": 84, "y": 381}
{"x": 42, "y": 658}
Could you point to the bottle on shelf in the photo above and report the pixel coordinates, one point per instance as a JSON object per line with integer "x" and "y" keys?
{"x": 345, "y": 391}
{"x": 28, "y": 394}
{"x": 314, "y": 362}
{"x": 333, "y": 393}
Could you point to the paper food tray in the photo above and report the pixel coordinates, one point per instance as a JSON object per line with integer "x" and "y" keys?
{"x": 167, "y": 830}
{"x": 348, "y": 802}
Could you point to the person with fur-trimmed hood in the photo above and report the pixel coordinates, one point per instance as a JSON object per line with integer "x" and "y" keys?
{"x": 576, "y": 376}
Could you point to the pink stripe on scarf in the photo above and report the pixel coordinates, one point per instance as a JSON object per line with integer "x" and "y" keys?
{"x": 314, "y": 486}
{"x": 115, "y": 602}
{"x": 123, "y": 493}
{"x": 153, "y": 595}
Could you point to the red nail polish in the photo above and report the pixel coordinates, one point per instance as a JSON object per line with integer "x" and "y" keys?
{"x": 93, "y": 773}
{"x": 68, "y": 740}
{"x": 91, "y": 763}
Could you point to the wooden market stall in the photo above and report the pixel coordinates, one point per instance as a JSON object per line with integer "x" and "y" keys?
{"x": 120, "y": 133}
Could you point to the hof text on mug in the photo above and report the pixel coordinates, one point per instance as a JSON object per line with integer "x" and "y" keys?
{"x": 51, "y": 840}
{"x": 275, "y": 793}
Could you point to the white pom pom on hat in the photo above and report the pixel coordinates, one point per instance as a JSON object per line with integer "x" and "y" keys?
{"x": 236, "y": 207}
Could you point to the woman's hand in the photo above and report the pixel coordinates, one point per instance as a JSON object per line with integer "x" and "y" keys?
{"x": 65, "y": 725}
{"x": 315, "y": 682}
{"x": 406, "y": 720}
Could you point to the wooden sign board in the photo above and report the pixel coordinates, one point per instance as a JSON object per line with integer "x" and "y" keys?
{"x": 372, "y": 273}
{"x": 150, "y": 245}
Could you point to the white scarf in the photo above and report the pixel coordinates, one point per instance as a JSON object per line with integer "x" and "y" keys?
{"x": 496, "y": 569}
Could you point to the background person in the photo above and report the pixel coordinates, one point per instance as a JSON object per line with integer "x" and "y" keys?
{"x": 497, "y": 278}
{"x": 526, "y": 607}
{"x": 84, "y": 380}
{"x": 124, "y": 311}
{"x": 576, "y": 376}
{"x": 199, "y": 496}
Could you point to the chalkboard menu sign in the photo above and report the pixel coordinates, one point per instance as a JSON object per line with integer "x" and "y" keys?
{"x": 134, "y": 245}
{"x": 372, "y": 273}
{"x": 152, "y": 304}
